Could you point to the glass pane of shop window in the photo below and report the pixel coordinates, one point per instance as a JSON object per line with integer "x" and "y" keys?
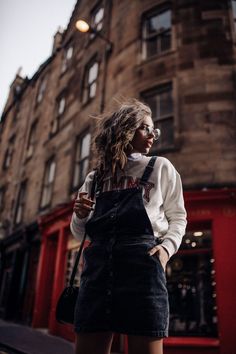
{"x": 192, "y": 287}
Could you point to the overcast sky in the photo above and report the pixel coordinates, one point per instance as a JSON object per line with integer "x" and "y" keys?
{"x": 26, "y": 36}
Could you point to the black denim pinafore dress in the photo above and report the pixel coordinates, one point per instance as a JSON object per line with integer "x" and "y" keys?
{"x": 123, "y": 288}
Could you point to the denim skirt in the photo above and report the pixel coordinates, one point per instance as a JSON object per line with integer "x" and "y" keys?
{"x": 122, "y": 288}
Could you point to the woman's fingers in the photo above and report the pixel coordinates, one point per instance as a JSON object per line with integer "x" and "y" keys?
{"x": 83, "y": 206}
{"x": 154, "y": 250}
{"x": 161, "y": 253}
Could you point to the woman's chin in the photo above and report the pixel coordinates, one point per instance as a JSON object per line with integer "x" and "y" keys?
{"x": 146, "y": 150}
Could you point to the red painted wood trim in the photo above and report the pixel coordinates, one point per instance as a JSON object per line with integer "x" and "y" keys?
{"x": 191, "y": 342}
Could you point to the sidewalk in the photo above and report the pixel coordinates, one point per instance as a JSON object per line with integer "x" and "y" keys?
{"x": 32, "y": 341}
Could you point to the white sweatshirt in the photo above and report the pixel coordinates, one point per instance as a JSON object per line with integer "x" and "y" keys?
{"x": 162, "y": 197}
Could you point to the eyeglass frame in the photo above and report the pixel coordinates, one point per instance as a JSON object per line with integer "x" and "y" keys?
{"x": 151, "y": 131}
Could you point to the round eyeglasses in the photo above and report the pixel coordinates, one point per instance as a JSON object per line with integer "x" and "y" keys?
{"x": 148, "y": 130}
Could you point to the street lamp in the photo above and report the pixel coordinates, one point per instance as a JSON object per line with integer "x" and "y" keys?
{"x": 84, "y": 27}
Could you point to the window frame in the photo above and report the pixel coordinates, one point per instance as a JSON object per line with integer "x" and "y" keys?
{"x": 157, "y": 91}
{"x": 86, "y": 96}
{"x": 20, "y": 203}
{"x": 47, "y": 185}
{"x": 78, "y": 161}
{"x": 32, "y": 140}
{"x": 194, "y": 251}
{"x": 8, "y": 157}
{"x": 94, "y": 24}
{"x": 57, "y": 121}
{"x": 66, "y": 61}
{"x": 144, "y": 38}
{"x": 41, "y": 90}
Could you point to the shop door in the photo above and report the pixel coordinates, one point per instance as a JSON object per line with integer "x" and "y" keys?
{"x": 28, "y": 305}
{"x": 48, "y": 277}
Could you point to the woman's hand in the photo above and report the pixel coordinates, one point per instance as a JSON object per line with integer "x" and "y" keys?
{"x": 83, "y": 206}
{"x": 160, "y": 252}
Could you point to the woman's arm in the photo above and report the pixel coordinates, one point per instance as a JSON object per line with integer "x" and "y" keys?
{"x": 81, "y": 208}
{"x": 173, "y": 203}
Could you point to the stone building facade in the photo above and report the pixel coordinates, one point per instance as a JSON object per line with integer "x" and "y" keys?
{"x": 179, "y": 57}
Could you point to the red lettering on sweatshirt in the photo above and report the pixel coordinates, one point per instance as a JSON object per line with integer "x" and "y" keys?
{"x": 127, "y": 182}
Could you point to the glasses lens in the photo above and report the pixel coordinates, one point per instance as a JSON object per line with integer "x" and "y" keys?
{"x": 156, "y": 133}
{"x": 151, "y": 131}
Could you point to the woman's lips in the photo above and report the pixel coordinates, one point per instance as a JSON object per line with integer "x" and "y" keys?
{"x": 149, "y": 143}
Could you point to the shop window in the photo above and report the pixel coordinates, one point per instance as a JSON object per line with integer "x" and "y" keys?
{"x": 90, "y": 81}
{"x": 161, "y": 103}
{"x": 81, "y": 159}
{"x": 192, "y": 287}
{"x": 20, "y": 204}
{"x": 31, "y": 141}
{"x": 9, "y": 153}
{"x": 97, "y": 17}
{"x": 156, "y": 32}
{"x": 67, "y": 56}
{"x": 48, "y": 183}
{"x": 41, "y": 90}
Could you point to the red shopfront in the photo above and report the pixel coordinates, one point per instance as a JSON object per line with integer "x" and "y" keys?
{"x": 201, "y": 277}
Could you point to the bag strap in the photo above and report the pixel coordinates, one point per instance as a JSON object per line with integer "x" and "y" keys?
{"x": 74, "y": 270}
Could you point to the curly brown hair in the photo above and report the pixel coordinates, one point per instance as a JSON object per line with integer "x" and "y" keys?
{"x": 115, "y": 132}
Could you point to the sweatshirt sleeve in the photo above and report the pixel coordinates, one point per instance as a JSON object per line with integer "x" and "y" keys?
{"x": 174, "y": 209}
{"x": 77, "y": 225}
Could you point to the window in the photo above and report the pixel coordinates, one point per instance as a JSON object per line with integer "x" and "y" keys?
{"x": 97, "y": 20}
{"x": 54, "y": 125}
{"x": 2, "y": 198}
{"x": 48, "y": 182}
{"x": 90, "y": 81}
{"x": 20, "y": 203}
{"x": 234, "y": 12}
{"x": 41, "y": 91}
{"x": 67, "y": 56}
{"x": 81, "y": 159}
{"x": 61, "y": 106}
{"x": 156, "y": 31}
{"x": 31, "y": 141}
{"x": 161, "y": 103}
{"x": 60, "y": 109}
{"x": 9, "y": 153}
{"x": 192, "y": 287}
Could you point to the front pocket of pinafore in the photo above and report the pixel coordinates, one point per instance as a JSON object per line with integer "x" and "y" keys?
{"x": 157, "y": 259}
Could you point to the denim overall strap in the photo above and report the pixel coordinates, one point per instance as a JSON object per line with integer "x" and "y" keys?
{"x": 148, "y": 170}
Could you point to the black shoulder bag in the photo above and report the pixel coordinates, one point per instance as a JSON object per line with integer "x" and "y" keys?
{"x": 66, "y": 303}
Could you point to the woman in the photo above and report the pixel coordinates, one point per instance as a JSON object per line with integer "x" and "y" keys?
{"x": 135, "y": 224}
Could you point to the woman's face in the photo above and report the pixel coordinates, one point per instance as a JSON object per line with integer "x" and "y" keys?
{"x": 142, "y": 140}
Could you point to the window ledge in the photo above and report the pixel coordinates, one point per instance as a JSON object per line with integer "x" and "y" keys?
{"x": 156, "y": 56}
{"x": 191, "y": 342}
